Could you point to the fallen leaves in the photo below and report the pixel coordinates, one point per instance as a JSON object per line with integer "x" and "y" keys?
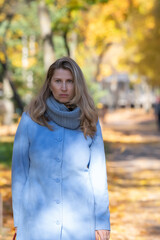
{"x": 133, "y": 183}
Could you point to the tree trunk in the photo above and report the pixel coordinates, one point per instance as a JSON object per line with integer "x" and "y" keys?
{"x": 46, "y": 33}
{"x": 5, "y": 75}
{"x": 9, "y": 89}
{"x": 66, "y": 43}
{"x": 100, "y": 58}
{"x": 15, "y": 93}
{"x": 73, "y": 45}
{"x": 9, "y": 92}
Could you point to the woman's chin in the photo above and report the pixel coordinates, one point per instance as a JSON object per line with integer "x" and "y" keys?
{"x": 63, "y": 100}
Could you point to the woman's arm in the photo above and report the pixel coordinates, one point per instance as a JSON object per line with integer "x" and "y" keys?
{"x": 20, "y": 165}
{"x": 98, "y": 175}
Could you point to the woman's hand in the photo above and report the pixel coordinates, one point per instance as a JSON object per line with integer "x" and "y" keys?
{"x": 102, "y": 234}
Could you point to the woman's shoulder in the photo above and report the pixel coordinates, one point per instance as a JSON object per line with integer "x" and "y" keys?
{"x": 27, "y": 125}
{"x": 98, "y": 126}
{"x": 98, "y": 130}
{"x": 25, "y": 119}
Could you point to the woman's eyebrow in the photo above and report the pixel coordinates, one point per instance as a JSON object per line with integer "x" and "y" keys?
{"x": 61, "y": 78}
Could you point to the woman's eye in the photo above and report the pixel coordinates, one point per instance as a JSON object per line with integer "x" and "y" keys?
{"x": 70, "y": 81}
{"x": 58, "y": 80}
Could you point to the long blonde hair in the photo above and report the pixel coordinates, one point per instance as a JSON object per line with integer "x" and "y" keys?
{"x": 82, "y": 99}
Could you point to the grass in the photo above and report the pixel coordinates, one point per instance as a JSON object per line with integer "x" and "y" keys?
{"x": 6, "y": 153}
{"x": 107, "y": 147}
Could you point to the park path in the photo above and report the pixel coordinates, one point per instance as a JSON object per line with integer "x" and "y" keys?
{"x": 133, "y": 166}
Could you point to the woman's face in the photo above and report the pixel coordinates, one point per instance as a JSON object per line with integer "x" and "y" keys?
{"x": 62, "y": 85}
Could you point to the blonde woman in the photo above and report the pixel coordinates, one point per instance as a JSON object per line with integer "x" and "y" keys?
{"x": 59, "y": 178}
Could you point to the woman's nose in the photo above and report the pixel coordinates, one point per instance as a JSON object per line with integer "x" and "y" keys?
{"x": 64, "y": 87}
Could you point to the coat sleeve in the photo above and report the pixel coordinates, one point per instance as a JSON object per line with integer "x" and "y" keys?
{"x": 98, "y": 175}
{"x": 20, "y": 166}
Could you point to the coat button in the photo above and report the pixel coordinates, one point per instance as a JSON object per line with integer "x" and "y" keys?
{"x": 58, "y": 160}
{"x": 57, "y": 201}
{"x": 59, "y": 139}
{"x": 57, "y": 222}
{"x": 57, "y": 180}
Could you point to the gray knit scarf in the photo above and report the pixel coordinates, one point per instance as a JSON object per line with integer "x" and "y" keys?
{"x": 61, "y": 115}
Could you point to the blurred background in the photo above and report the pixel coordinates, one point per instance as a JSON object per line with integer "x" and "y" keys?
{"x": 117, "y": 45}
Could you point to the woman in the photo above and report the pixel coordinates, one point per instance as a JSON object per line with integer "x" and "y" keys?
{"x": 59, "y": 179}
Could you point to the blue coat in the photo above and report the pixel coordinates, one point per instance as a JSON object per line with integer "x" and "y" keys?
{"x": 59, "y": 183}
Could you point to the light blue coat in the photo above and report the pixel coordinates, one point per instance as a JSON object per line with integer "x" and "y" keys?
{"x": 59, "y": 183}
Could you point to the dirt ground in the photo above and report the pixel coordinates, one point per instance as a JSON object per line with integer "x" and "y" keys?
{"x": 133, "y": 165}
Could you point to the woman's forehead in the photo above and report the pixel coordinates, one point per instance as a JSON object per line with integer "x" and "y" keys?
{"x": 62, "y": 72}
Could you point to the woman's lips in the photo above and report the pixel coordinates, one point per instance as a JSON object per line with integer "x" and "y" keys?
{"x": 63, "y": 95}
